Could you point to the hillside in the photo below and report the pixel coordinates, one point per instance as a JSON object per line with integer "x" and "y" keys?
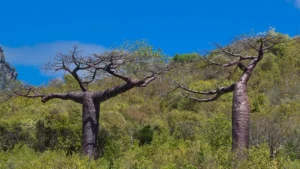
{"x": 157, "y": 126}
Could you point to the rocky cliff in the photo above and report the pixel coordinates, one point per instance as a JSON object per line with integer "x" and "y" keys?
{"x": 7, "y": 72}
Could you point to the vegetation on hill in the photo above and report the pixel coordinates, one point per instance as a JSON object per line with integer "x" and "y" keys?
{"x": 158, "y": 127}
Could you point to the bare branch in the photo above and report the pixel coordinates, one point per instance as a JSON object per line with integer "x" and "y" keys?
{"x": 219, "y": 92}
{"x": 112, "y": 92}
{"x": 77, "y": 78}
{"x": 74, "y": 96}
{"x": 234, "y": 54}
{"x": 210, "y": 62}
{"x": 204, "y": 100}
{"x": 197, "y": 92}
{"x": 229, "y": 64}
{"x": 28, "y": 93}
{"x": 268, "y": 47}
{"x": 125, "y": 78}
{"x": 73, "y": 54}
{"x": 31, "y": 93}
{"x": 253, "y": 47}
{"x": 71, "y": 63}
{"x": 91, "y": 79}
{"x": 6, "y": 98}
{"x": 154, "y": 75}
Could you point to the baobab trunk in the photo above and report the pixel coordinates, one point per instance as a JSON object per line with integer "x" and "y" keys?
{"x": 240, "y": 117}
{"x": 90, "y": 123}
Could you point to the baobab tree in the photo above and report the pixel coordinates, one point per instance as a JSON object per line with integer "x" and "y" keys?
{"x": 237, "y": 52}
{"x": 136, "y": 65}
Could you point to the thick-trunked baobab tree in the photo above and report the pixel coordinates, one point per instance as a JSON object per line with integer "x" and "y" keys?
{"x": 139, "y": 61}
{"x": 240, "y": 102}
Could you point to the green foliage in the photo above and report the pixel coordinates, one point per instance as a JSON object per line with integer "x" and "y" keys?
{"x": 218, "y": 131}
{"x": 145, "y": 135}
{"x": 185, "y": 57}
{"x": 156, "y": 128}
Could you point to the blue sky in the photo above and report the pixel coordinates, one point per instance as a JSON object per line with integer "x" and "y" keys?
{"x": 31, "y": 31}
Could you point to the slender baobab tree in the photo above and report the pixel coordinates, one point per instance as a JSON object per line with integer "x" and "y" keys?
{"x": 139, "y": 61}
{"x": 246, "y": 63}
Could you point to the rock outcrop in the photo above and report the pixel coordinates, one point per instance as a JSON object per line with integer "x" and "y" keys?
{"x": 7, "y": 72}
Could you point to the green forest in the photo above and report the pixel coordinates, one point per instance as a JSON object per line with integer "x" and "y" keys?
{"x": 160, "y": 121}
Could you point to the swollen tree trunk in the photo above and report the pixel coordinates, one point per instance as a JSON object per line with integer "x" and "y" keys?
{"x": 90, "y": 124}
{"x": 240, "y": 118}
{"x": 241, "y": 109}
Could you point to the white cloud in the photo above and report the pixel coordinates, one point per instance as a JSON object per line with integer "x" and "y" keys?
{"x": 296, "y": 2}
{"x": 39, "y": 54}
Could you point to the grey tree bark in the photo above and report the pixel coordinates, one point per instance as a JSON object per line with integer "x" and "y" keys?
{"x": 240, "y": 117}
{"x": 90, "y": 101}
{"x": 90, "y": 124}
{"x": 240, "y": 101}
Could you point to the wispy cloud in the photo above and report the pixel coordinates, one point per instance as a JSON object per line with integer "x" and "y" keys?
{"x": 296, "y": 2}
{"x": 39, "y": 54}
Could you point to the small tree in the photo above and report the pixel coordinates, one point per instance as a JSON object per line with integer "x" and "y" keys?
{"x": 239, "y": 58}
{"x": 139, "y": 60}
{"x": 275, "y": 129}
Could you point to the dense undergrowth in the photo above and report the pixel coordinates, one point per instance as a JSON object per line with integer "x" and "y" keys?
{"x": 155, "y": 128}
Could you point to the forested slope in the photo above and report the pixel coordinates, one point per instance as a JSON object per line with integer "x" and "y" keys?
{"x": 158, "y": 127}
